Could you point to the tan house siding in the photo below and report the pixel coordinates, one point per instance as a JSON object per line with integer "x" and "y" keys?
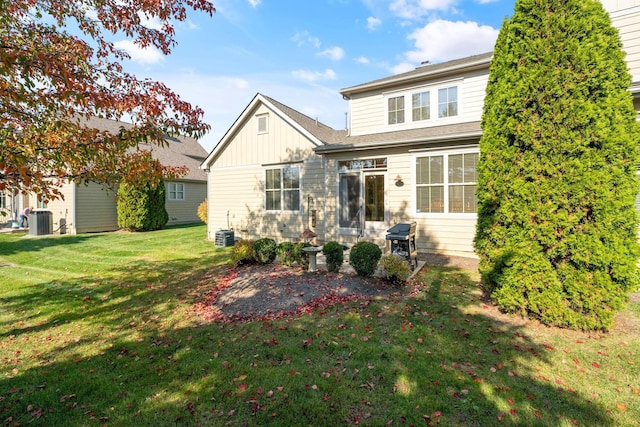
{"x": 183, "y": 211}
{"x": 62, "y": 210}
{"x": 625, "y": 16}
{"x": 240, "y": 205}
{"x": 95, "y": 209}
{"x": 369, "y": 110}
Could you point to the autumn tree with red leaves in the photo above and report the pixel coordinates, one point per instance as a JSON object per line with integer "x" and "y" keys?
{"x": 58, "y": 69}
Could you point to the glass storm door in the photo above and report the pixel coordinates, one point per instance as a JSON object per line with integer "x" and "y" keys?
{"x": 375, "y": 204}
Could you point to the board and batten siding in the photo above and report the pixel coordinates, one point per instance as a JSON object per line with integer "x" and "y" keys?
{"x": 186, "y": 211}
{"x": 280, "y": 144}
{"x": 369, "y": 110}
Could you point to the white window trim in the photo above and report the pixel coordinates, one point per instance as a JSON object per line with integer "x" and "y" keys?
{"x": 175, "y": 184}
{"x": 414, "y": 202}
{"x": 259, "y": 117}
{"x": 434, "y": 119}
{"x": 264, "y": 189}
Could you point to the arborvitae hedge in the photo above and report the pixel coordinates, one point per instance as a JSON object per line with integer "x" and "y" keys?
{"x": 557, "y": 226}
{"x": 142, "y": 208}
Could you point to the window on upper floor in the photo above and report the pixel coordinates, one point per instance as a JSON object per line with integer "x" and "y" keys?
{"x": 395, "y": 107}
{"x": 282, "y": 189}
{"x": 176, "y": 191}
{"x": 446, "y": 182}
{"x": 262, "y": 123}
{"x": 448, "y": 102}
{"x": 421, "y": 106}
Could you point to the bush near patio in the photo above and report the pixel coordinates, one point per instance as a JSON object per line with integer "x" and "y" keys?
{"x": 395, "y": 269}
{"x": 285, "y": 252}
{"x": 364, "y": 257}
{"x": 334, "y": 255}
{"x": 556, "y": 189}
{"x": 265, "y": 250}
{"x": 301, "y": 256}
{"x": 243, "y": 252}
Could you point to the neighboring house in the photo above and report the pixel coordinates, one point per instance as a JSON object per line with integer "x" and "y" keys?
{"x": 92, "y": 207}
{"x": 410, "y": 155}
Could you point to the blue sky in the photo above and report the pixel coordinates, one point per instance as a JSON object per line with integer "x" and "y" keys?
{"x": 302, "y": 52}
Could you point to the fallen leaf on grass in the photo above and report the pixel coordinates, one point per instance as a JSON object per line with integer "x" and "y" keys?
{"x": 621, "y": 407}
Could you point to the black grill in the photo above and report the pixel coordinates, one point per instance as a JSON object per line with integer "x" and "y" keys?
{"x": 402, "y": 238}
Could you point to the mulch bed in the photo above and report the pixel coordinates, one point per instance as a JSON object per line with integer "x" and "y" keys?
{"x": 274, "y": 291}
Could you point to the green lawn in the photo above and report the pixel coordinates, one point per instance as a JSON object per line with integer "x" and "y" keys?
{"x": 100, "y": 330}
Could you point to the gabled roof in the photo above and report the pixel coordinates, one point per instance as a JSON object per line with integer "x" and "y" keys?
{"x": 318, "y": 133}
{"x": 423, "y": 72}
{"x": 178, "y": 151}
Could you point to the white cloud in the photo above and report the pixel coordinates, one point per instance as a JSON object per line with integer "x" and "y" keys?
{"x": 362, "y": 60}
{"x": 486, "y": 1}
{"x": 314, "y": 76}
{"x": 153, "y": 22}
{"x": 255, "y": 3}
{"x": 149, "y": 55}
{"x": 442, "y": 40}
{"x": 402, "y": 68}
{"x": 303, "y": 37}
{"x": 416, "y": 9}
{"x": 335, "y": 53}
{"x": 373, "y": 23}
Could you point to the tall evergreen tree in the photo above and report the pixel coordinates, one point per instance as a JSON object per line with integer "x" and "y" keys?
{"x": 557, "y": 225}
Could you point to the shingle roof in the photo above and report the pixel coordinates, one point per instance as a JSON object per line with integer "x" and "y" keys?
{"x": 420, "y": 136}
{"x": 179, "y": 151}
{"x": 324, "y": 133}
{"x": 423, "y": 72}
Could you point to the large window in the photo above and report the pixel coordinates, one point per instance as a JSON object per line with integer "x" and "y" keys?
{"x": 3, "y": 200}
{"x": 282, "y": 189}
{"x": 396, "y": 110}
{"x": 420, "y": 104}
{"x": 448, "y": 102}
{"x": 176, "y": 191}
{"x": 446, "y": 183}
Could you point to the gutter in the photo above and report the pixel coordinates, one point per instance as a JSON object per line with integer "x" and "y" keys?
{"x": 461, "y": 137}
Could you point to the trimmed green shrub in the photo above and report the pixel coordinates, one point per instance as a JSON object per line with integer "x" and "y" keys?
{"x": 286, "y": 253}
{"x": 302, "y": 257}
{"x": 364, "y": 257}
{"x": 203, "y": 211}
{"x": 243, "y": 253}
{"x": 556, "y": 189}
{"x": 333, "y": 252}
{"x": 395, "y": 269}
{"x": 141, "y": 207}
{"x": 265, "y": 250}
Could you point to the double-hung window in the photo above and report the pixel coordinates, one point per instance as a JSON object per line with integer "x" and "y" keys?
{"x": 421, "y": 105}
{"x": 282, "y": 189}
{"x": 448, "y": 102}
{"x": 446, "y": 183}
{"x": 3, "y": 200}
{"x": 176, "y": 191}
{"x": 395, "y": 107}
